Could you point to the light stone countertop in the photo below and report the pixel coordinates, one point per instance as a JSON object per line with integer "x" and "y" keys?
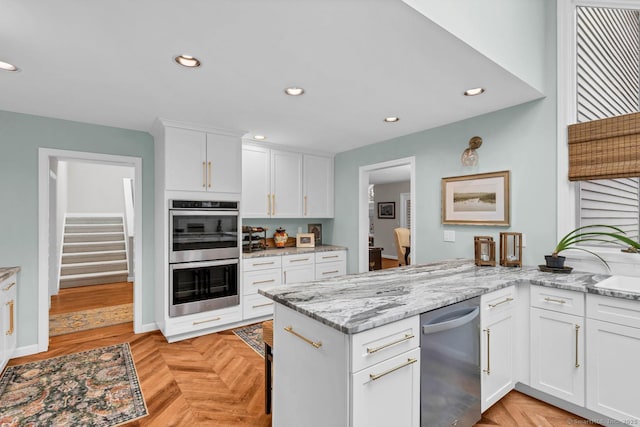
{"x": 291, "y": 251}
{"x": 6, "y": 272}
{"x": 358, "y": 302}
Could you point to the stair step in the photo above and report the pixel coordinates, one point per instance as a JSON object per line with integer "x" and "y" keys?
{"x": 78, "y": 257}
{"x": 93, "y": 247}
{"x": 94, "y": 228}
{"x": 93, "y": 267}
{"x": 93, "y": 279}
{"x": 91, "y": 275}
{"x": 94, "y": 220}
{"x": 93, "y": 237}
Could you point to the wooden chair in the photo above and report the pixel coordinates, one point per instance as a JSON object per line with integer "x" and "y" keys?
{"x": 267, "y": 337}
{"x": 402, "y": 239}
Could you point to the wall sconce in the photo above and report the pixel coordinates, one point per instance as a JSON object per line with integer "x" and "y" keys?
{"x": 485, "y": 251}
{"x": 470, "y": 155}
{"x": 511, "y": 249}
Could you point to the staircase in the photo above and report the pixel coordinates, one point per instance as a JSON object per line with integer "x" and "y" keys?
{"x": 93, "y": 251}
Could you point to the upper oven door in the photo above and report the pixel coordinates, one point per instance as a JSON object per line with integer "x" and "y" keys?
{"x": 201, "y": 235}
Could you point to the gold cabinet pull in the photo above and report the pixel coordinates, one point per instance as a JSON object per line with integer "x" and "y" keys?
{"x": 577, "y": 358}
{"x": 199, "y": 322}
{"x": 559, "y": 301}
{"x": 284, "y": 273}
{"x": 268, "y": 204}
{"x": 260, "y": 282}
{"x": 263, "y": 263}
{"x": 488, "y": 370}
{"x": 204, "y": 174}
{"x": 273, "y": 204}
{"x": 331, "y": 256}
{"x": 508, "y": 299}
{"x": 299, "y": 260}
{"x": 305, "y": 205}
{"x": 11, "y": 285}
{"x": 374, "y": 377}
{"x": 330, "y": 272}
{"x": 262, "y": 305}
{"x": 316, "y": 344}
{"x": 209, "y": 174}
{"x": 12, "y": 316}
{"x": 382, "y": 347}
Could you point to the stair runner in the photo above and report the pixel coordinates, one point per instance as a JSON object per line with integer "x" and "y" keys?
{"x": 93, "y": 251}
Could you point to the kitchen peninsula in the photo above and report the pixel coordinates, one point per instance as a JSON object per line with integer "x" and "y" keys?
{"x": 334, "y": 338}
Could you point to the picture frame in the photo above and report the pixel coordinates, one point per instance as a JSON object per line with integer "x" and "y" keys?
{"x": 316, "y": 229}
{"x": 387, "y": 210}
{"x": 305, "y": 240}
{"x": 479, "y": 199}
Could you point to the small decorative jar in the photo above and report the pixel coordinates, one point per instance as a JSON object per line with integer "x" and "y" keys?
{"x": 280, "y": 237}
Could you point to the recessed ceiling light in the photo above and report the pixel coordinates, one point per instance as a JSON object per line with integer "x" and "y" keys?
{"x": 294, "y": 91}
{"x": 259, "y": 137}
{"x": 187, "y": 61}
{"x": 7, "y": 67}
{"x": 473, "y": 92}
{"x": 391, "y": 119}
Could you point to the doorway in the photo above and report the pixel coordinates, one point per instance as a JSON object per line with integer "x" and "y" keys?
{"x": 394, "y": 171}
{"x": 50, "y": 229}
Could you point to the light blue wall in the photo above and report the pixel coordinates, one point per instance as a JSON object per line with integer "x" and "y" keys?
{"x": 521, "y": 139}
{"x": 20, "y": 137}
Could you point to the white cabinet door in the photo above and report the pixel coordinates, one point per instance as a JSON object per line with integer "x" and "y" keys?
{"x": 224, "y": 164}
{"x": 256, "y": 182}
{"x": 311, "y": 376}
{"x": 557, "y": 354}
{"x": 186, "y": 154}
{"x": 286, "y": 184}
{"x": 388, "y": 393}
{"x": 612, "y": 370}
{"x": 497, "y": 358}
{"x": 317, "y": 187}
{"x": 8, "y": 317}
{"x": 298, "y": 274}
{"x": 330, "y": 269}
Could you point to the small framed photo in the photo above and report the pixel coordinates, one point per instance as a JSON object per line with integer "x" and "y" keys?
{"x": 387, "y": 210}
{"x": 316, "y": 229}
{"x": 305, "y": 240}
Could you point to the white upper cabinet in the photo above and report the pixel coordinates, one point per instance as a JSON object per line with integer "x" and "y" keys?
{"x": 285, "y": 184}
{"x": 317, "y": 187}
{"x": 201, "y": 160}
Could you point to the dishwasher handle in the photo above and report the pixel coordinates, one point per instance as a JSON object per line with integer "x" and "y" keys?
{"x": 451, "y": 320}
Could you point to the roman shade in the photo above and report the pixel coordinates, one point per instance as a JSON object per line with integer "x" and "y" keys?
{"x": 606, "y": 148}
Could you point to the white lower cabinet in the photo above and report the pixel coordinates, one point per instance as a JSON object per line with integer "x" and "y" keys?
{"x": 497, "y": 344}
{"x": 326, "y": 378}
{"x": 8, "y": 317}
{"x": 298, "y": 268}
{"x": 613, "y": 346}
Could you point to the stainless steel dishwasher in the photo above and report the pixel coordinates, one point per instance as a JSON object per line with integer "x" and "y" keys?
{"x": 450, "y": 365}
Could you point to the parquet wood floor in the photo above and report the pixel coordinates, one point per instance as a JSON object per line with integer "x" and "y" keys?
{"x": 218, "y": 380}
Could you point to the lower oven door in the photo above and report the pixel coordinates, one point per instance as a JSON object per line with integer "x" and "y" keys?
{"x": 195, "y": 287}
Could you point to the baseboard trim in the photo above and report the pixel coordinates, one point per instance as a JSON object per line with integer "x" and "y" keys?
{"x": 148, "y": 327}
{"x": 27, "y": 350}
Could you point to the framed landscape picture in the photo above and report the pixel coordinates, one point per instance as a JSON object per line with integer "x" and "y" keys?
{"x": 481, "y": 199}
{"x": 387, "y": 210}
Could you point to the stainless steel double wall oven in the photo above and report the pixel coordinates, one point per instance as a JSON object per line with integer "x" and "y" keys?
{"x": 204, "y": 251}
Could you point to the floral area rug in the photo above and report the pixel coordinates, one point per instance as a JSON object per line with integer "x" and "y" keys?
{"x": 252, "y": 335}
{"x": 94, "y": 388}
{"x": 66, "y": 323}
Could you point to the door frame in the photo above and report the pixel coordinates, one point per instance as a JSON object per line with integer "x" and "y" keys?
{"x": 363, "y": 207}
{"x": 45, "y": 155}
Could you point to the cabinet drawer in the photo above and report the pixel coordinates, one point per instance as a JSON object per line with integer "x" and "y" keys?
{"x": 330, "y": 269}
{"x": 258, "y": 279}
{"x": 210, "y": 319}
{"x": 262, "y": 263}
{"x": 378, "y": 344}
{"x": 331, "y": 256}
{"x": 615, "y": 310}
{"x": 498, "y": 302}
{"x": 560, "y": 300}
{"x": 256, "y": 306}
{"x": 295, "y": 260}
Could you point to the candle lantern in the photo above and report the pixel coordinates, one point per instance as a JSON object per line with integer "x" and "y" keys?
{"x": 485, "y": 251}
{"x": 511, "y": 249}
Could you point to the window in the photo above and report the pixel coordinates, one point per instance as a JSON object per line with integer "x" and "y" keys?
{"x": 608, "y": 85}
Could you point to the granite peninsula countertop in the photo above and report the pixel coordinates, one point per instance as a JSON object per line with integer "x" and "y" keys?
{"x": 8, "y": 272}
{"x": 357, "y": 302}
{"x": 291, "y": 251}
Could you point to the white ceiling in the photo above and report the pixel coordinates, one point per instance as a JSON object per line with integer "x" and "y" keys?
{"x": 110, "y": 62}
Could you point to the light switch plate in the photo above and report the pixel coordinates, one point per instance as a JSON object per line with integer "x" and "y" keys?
{"x": 449, "y": 236}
